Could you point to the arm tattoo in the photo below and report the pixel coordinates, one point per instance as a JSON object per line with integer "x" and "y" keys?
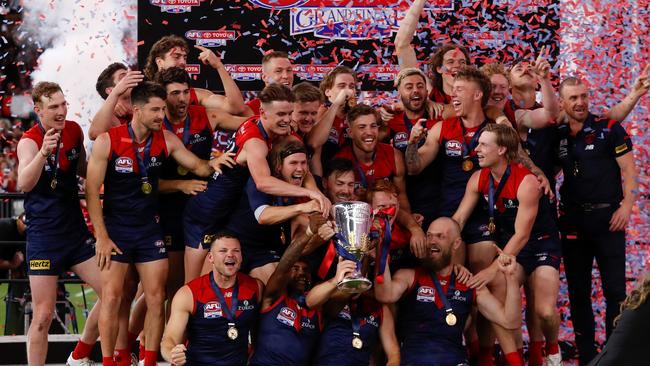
{"x": 412, "y": 159}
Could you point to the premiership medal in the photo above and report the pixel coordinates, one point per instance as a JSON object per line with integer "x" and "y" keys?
{"x": 450, "y": 319}
{"x": 492, "y": 227}
{"x": 181, "y": 170}
{"x": 233, "y": 333}
{"x": 357, "y": 343}
{"x": 53, "y": 183}
{"x": 467, "y": 165}
{"x": 146, "y": 187}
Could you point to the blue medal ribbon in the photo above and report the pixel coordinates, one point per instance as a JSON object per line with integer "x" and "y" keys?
{"x": 54, "y": 165}
{"x": 468, "y": 147}
{"x": 145, "y": 160}
{"x": 231, "y": 311}
{"x": 493, "y": 195}
{"x": 442, "y": 294}
{"x": 186, "y": 128}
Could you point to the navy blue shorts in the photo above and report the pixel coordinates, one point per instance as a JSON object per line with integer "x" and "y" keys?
{"x": 258, "y": 256}
{"x": 207, "y": 212}
{"x": 51, "y": 256}
{"x": 138, "y": 245}
{"x": 545, "y": 251}
{"x": 476, "y": 228}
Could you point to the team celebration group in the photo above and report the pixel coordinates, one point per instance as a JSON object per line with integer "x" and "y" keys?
{"x": 214, "y": 241}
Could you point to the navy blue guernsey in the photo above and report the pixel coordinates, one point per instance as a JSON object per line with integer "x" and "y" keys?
{"x": 207, "y": 327}
{"x": 288, "y": 334}
{"x": 126, "y": 206}
{"x": 55, "y": 212}
{"x": 427, "y": 340}
{"x": 335, "y": 347}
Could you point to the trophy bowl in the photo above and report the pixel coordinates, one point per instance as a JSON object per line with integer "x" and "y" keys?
{"x": 353, "y": 223}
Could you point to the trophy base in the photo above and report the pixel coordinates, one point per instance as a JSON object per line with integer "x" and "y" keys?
{"x": 354, "y": 285}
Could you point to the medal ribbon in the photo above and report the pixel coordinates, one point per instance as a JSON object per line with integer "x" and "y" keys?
{"x": 492, "y": 194}
{"x": 328, "y": 259}
{"x": 356, "y": 322}
{"x": 468, "y": 147}
{"x": 384, "y": 246}
{"x": 54, "y": 166}
{"x": 441, "y": 294}
{"x": 262, "y": 130}
{"x": 231, "y": 312}
{"x": 186, "y": 129}
{"x": 146, "y": 154}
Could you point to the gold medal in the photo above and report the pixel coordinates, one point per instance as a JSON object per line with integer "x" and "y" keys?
{"x": 283, "y": 238}
{"x": 233, "y": 333}
{"x": 53, "y": 183}
{"x": 146, "y": 187}
{"x": 450, "y": 319}
{"x": 492, "y": 227}
{"x": 181, "y": 170}
{"x": 468, "y": 165}
{"x": 357, "y": 343}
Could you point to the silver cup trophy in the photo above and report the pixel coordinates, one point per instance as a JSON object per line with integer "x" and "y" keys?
{"x": 353, "y": 223}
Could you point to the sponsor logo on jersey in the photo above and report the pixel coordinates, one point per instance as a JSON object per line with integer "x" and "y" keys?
{"x": 287, "y": 316}
{"x": 196, "y": 138}
{"x": 246, "y": 305}
{"x": 458, "y": 296}
{"x": 453, "y": 148}
{"x": 124, "y": 164}
{"x": 39, "y": 264}
{"x": 212, "y": 310}
{"x": 210, "y": 38}
{"x": 425, "y": 294}
{"x": 153, "y": 162}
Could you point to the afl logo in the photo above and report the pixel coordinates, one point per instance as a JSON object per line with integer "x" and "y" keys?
{"x": 453, "y": 148}
{"x": 425, "y": 294}
{"x": 287, "y": 316}
{"x": 124, "y": 164}
{"x": 212, "y": 310}
{"x": 278, "y": 4}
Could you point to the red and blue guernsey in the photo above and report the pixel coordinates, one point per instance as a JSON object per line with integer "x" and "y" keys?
{"x": 458, "y": 161}
{"x": 382, "y": 167}
{"x": 359, "y": 319}
{"x": 288, "y": 334}
{"x": 196, "y": 134}
{"x": 194, "y": 99}
{"x": 208, "y": 339}
{"x": 54, "y": 213}
{"x": 423, "y": 329}
{"x": 206, "y": 212}
{"x": 127, "y": 208}
{"x": 506, "y": 204}
{"x": 422, "y": 190}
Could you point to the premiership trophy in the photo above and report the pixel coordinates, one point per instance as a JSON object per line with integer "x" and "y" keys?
{"x": 353, "y": 223}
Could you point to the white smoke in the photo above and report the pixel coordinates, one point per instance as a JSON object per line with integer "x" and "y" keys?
{"x": 80, "y": 39}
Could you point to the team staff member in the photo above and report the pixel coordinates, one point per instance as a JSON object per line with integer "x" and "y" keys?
{"x": 354, "y": 325}
{"x": 213, "y": 316}
{"x": 172, "y": 50}
{"x": 434, "y": 306}
{"x": 50, "y": 156}
{"x": 523, "y": 221}
{"x": 595, "y": 154}
{"x": 263, "y": 222}
{"x": 276, "y": 68}
{"x": 128, "y": 161}
{"x": 206, "y": 212}
{"x": 288, "y": 329}
{"x": 114, "y": 85}
{"x": 330, "y": 133}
